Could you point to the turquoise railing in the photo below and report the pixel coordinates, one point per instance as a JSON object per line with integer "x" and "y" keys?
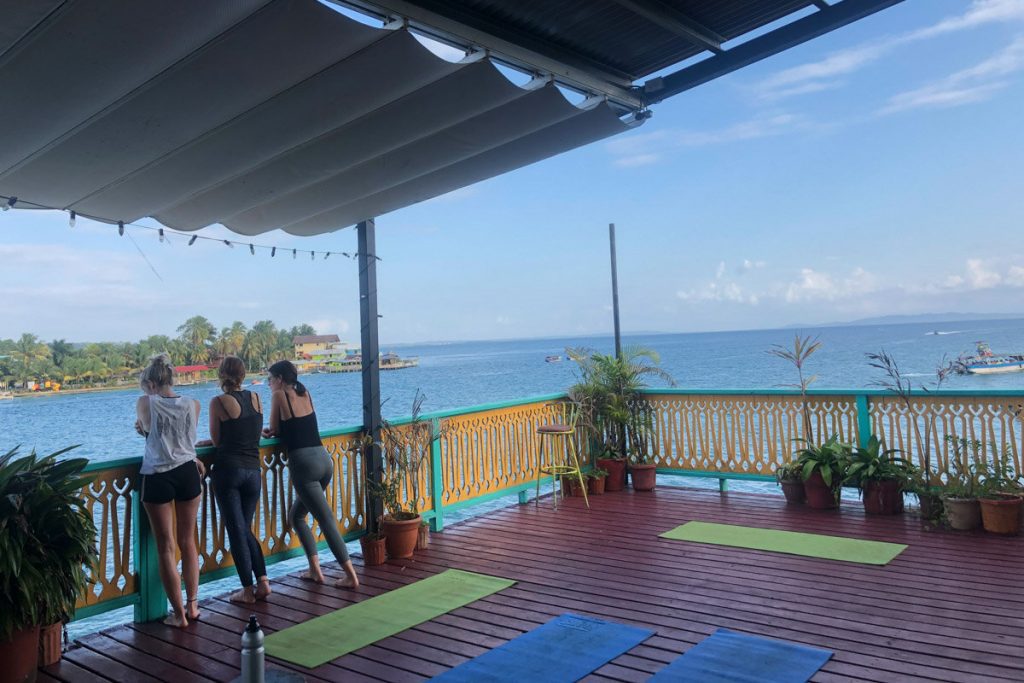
{"x": 486, "y": 452}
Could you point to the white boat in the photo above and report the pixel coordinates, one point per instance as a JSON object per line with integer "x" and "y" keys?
{"x": 984, "y": 362}
{"x": 552, "y": 359}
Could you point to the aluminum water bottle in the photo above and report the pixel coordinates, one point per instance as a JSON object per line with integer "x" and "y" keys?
{"x": 252, "y": 652}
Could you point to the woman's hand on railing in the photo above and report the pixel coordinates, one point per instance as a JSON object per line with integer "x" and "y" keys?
{"x": 268, "y": 433}
{"x": 201, "y": 467}
{"x": 205, "y": 443}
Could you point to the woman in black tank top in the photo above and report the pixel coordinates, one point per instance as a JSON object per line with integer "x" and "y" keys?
{"x": 310, "y": 469}
{"x": 236, "y": 420}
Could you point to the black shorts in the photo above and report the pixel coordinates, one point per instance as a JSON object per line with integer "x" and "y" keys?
{"x": 182, "y": 483}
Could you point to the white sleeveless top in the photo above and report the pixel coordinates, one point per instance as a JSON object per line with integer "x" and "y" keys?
{"x": 172, "y": 434}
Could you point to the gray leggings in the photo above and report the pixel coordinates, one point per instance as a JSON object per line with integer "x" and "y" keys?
{"x": 310, "y": 470}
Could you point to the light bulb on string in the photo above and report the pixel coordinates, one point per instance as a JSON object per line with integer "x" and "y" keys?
{"x": 229, "y": 245}
{"x": 71, "y": 219}
{"x": 161, "y": 232}
{"x": 11, "y": 201}
{"x": 312, "y": 256}
{"x": 120, "y": 228}
{"x": 273, "y": 252}
{"x": 192, "y": 240}
{"x": 295, "y": 253}
{"x": 252, "y": 250}
{"x": 327, "y": 255}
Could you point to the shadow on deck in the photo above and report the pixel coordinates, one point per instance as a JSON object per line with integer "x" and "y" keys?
{"x": 949, "y": 608}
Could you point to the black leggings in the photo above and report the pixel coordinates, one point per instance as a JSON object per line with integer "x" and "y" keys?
{"x": 310, "y": 470}
{"x": 238, "y": 491}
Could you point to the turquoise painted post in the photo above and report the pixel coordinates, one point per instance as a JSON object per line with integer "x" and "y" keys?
{"x": 524, "y": 497}
{"x": 152, "y": 602}
{"x": 723, "y": 485}
{"x": 863, "y": 420}
{"x": 436, "y": 479}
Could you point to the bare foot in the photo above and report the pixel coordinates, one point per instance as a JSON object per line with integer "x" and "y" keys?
{"x": 347, "y": 582}
{"x": 244, "y": 595}
{"x": 192, "y": 607}
{"x": 176, "y": 621}
{"x": 263, "y": 589}
{"x": 317, "y": 577}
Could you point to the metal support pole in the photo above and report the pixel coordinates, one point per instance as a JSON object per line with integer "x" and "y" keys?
{"x": 615, "y": 293}
{"x": 370, "y": 351}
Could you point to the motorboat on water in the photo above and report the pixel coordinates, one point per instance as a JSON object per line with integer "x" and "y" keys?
{"x": 984, "y": 362}
{"x": 552, "y": 359}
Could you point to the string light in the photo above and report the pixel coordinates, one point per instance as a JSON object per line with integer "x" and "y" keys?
{"x": 9, "y": 202}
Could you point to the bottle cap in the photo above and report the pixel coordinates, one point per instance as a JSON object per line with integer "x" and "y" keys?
{"x": 253, "y": 624}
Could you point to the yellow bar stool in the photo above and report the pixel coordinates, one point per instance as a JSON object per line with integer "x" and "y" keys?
{"x": 564, "y": 460}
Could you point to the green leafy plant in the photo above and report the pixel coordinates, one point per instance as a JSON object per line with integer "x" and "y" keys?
{"x": 872, "y": 463}
{"x": 830, "y": 459}
{"x": 963, "y": 475}
{"x": 405, "y": 449}
{"x": 611, "y": 409}
{"x": 594, "y": 472}
{"x": 791, "y": 471}
{"x": 47, "y": 538}
{"x": 803, "y": 348}
{"x": 998, "y": 475}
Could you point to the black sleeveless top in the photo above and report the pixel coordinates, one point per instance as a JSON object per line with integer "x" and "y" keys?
{"x": 300, "y": 432}
{"x": 240, "y": 437}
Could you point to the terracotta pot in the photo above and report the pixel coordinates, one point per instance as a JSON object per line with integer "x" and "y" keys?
{"x": 1001, "y": 514}
{"x": 49, "y": 644}
{"x": 644, "y": 476}
{"x": 571, "y": 486}
{"x": 374, "y": 550}
{"x": 423, "y": 539}
{"x": 616, "y": 469}
{"x": 962, "y": 514}
{"x": 820, "y": 495}
{"x": 883, "y": 497}
{"x": 401, "y": 536}
{"x": 793, "y": 489}
{"x": 595, "y": 486}
{"x": 20, "y": 656}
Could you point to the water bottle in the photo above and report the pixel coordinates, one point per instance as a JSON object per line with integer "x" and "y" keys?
{"x": 252, "y": 652}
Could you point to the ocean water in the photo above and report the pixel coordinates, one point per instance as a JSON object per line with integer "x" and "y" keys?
{"x": 463, "y": 374}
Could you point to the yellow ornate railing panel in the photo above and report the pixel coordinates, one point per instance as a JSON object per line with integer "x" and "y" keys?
{"x": 109, "y": 499}
{"x": 742, "y": 433}
{"x": 488, "y": 451}
{"x": 992, "y": 420}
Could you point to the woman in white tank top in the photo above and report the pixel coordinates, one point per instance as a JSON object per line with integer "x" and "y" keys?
{"x": 171, "y": 482}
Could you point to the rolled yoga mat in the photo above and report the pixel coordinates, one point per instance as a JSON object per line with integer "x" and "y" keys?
{"x": 563, "y": 650}
{"x": 792, "y": 542}
{"x": 728, "y": 657}
{"x": 330, "y": 636}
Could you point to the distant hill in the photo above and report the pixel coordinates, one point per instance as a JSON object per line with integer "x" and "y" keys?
{"x": 920, "y": 318}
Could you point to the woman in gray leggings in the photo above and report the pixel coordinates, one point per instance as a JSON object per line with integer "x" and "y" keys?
{"x": 310, "y": 469}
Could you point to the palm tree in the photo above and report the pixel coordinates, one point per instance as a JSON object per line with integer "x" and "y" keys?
{"x": 803, "y": 349}
{"x": 260, "y": 343}
{"x": 232, "y": 339}
{"x": 60, "y": 350}
{"x": 198, "y": 334}
{"x": 29, "y": 351}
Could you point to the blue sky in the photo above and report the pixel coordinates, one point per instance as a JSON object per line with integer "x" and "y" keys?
{"x": 876, "y": 170}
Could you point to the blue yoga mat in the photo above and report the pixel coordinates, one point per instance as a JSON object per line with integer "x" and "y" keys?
{"x": 567, "y": 648}
{"x": 727, "y": 657}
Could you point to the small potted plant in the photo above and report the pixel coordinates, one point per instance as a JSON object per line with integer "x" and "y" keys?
{"x": 423, "y": 540}
{"x": 959, "y": 497}
{"x": 823, "y": 469}
{"x": 374, "y": 547}
{"x": 609, "y": 461}
{"x": 596, "y": 478}
{"x": 880, "y": 477}
{"x": 789, "y": 477}
{"x": 47, "y": 538}
{"x": 1000, "y": 502}
{"x": 642, "y": 472}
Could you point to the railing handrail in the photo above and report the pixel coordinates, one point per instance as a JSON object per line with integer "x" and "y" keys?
{"x": 831, "y": 392}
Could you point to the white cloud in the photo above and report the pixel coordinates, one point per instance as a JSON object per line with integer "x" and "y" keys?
{"x": 974, "y": 84}
{"x": 638, "y": 160}
{"x": 980, "y": 277}
{"x": 748, "y": 265}
{"x": 1015, "y": 276}
{"x": 720, "y": 270}
{"x": 329, "y": 325}
{"x": 814, "y": 285}
{"x": 822, "y": 74}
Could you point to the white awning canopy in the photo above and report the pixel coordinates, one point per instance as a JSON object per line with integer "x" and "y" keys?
{"x": 255, "y": 114}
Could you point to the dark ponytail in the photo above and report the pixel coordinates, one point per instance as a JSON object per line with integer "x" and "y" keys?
{"x": 288, "y": 374}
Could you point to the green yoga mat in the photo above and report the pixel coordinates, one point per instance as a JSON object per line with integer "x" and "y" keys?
{"x": 792, "y": 542}
{"x": 322, "y": 639}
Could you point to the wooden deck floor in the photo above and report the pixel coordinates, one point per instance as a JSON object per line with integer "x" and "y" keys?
{"x": 950, "y": 608}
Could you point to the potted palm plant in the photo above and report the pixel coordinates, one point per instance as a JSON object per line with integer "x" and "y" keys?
{"x": 823, "y": 469}
{"x": 47, "y": 539}
{"x": 790, "y": 478}
{"x": 880, "y": 477}
{"x": 611, "y": 408}
{"x": 959, "y": 498}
